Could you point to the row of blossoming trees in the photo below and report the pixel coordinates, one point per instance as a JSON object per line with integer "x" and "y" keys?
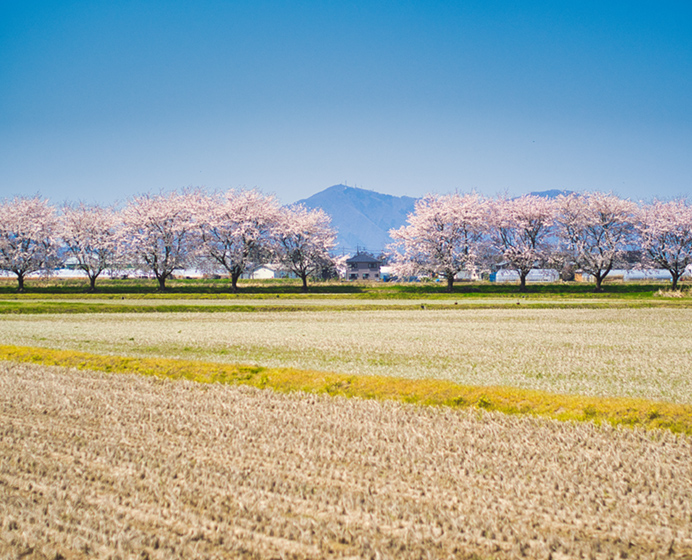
{"x": 223, "y": 232}
{"x": 446, "y": 234}
{"x": 593, "y": 232}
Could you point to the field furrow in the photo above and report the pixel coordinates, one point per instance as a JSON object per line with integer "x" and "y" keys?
{"x": 103, "y": 465}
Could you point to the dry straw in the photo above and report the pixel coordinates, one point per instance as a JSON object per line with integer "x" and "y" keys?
{"x": 132, "y": 466}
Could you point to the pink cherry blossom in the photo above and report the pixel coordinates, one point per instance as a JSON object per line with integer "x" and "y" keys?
{"x": 160, "y": 232}
{"x": 521, "y": 230}
{"x": 665, "y": 230}
{"x": 236, "y": 230}
{"x": 596, "y": 230}
{"x": 28, "y": 237}
{"x": 303, "y": 239}
{"x": 443, "y": 236}
{"x": 90, "y": 235}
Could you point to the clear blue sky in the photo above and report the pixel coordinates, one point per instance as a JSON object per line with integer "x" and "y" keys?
{"x": 100, "y": 100}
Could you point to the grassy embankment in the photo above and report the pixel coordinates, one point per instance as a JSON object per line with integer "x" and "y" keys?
{"x": 186, "y": 295}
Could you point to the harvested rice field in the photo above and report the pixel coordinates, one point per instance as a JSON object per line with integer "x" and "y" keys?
{"x": 124, "y": 466}
{"x": 610, "y": 352}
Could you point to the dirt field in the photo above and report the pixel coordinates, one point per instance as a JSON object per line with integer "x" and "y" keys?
{"x": 120, "y": 466}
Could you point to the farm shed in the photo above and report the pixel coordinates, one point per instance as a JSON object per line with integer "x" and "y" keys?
{"x": 648, "y": 274}
{"x": 632, "y": 275}
{"x": 536, "y": 275}
{"x": 468, "y": 275}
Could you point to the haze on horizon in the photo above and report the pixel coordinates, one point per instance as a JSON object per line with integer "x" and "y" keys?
{"x": 100, "y": 101}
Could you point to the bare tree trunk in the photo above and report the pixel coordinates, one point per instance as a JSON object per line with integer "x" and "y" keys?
{"x": 234, "y": 281}
{"x": 162, "y": 283}
{"x": 450, "y": 282}
{"x": 599, "y": 281}
{"x": 304, "y": 278}
{"x": 676, "y": 275}
{"x": 20, "y": 282}
{"x": 92, "y": 283}
{"x": 522, "y": 280}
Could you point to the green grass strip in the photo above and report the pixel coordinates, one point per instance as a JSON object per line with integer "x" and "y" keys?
{"x": 615, "y": 411}
{"x": 58, "y": 307}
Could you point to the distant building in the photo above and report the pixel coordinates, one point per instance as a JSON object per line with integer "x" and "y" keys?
{"x": 264, "y": 272}
{"x": 362, "y": 266}
{"x": 535, "y": 275}
{"x": 631, "y": 275}
{"x": 467, "y": 275}
{"x": 267, "y": 272}
{"x": 647, "y": 274}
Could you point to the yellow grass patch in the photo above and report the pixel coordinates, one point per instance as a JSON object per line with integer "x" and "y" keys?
{"x": 616, "y": 411}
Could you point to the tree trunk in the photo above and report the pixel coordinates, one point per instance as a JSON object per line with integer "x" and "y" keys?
{"x": 304, "y": 278}
{"x": 92, "y": 283}
{"x": 234, "y": 281}
{"x": 450, "y": 282}
{"x": 675, "y": 276}
{"x": 599, "y": 281}
{"x": 601, "y": 276}
{"x": 522, "y": 280}
{"x": 20, "y": 282}
{"x": 162, "y": 282}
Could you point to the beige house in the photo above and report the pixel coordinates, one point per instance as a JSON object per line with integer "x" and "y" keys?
{"x": 362, "y": 266}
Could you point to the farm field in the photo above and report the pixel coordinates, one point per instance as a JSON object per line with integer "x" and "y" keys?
{"x": 126, "y": 466}
{"x": 27, "y": 305}
{"x": 129, "y": 466}
{"x": 139, "y": 304}
{"x": 625, "y": 352}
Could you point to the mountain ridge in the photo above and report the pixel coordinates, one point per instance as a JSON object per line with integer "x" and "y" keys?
{"x": 363, "y": 218}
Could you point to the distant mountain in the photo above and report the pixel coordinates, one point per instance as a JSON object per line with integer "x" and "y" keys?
{"x": 362, "y": 218}
{"x": 553, "y": 193}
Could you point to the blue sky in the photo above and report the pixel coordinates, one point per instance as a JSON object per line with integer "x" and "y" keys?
{"x": 102, "y": 100}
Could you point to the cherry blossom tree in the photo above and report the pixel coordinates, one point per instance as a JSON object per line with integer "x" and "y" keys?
{"x": 443, "y": 236}
{"x": 160, "y": 232}
{"x": 28, "y": 237}
{"x": 665, "y": 231}
{"x": 236, "y": 230}
{"x": 90, "y": 235}
{"x": 597, "y": 229}
{"x": 521, "y": 230}
{"x": 303, "y": 239}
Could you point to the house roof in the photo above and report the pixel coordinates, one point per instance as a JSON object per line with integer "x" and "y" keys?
{"x": 362, "y": 258}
